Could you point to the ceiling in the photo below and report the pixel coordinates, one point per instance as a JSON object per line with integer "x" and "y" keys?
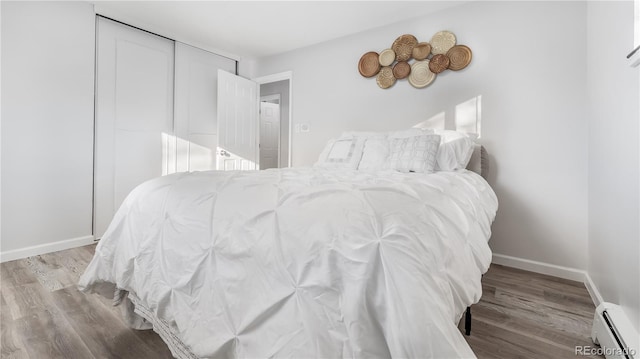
{"x": 262, "y": 28}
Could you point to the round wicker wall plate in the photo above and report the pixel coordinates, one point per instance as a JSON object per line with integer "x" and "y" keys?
{"x": 385, "y": 78}
{"x": 442, "y": 41}
{"x": 420, "y": 75}
{"x": 401, "y": 70}
{"x": 459, "y": 56}
{"x": 387, "y": 57}
{"x": 421, "y": 51}
{"x": 438, "y": 63}
{"x": 403, "y": 46}
{"x": 368, "y": 64}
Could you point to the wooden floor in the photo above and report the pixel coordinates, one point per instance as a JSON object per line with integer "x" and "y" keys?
{"x": 43, "y": 315}
{"x": 529, "y": 315}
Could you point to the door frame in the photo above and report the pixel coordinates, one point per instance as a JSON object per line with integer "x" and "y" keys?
{"x": 286, "y": 75}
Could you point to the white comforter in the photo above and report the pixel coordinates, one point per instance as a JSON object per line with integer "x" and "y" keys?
{"x": 304, "y": 263}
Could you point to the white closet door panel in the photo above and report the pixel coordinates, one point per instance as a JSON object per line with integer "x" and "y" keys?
{"x": 127, "y": 162}
{"x": 201, "y": 156}
{"x": 143, "y": 92}
{"x": 182, "y": 154}
{"x": 196, "y": 93}
{"x": 134, "y": 114}
{"x": 202, "y": 106}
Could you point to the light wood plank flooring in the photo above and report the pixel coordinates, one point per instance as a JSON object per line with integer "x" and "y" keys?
{"x": 43, "y": 315}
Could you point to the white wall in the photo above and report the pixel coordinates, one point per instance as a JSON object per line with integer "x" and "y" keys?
{"x": 528, "y": 66}
{"x": 47, "y": 126}
{"x": 614, "y": 235}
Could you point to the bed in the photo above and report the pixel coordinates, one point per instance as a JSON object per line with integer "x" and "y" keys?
{"x": 332, "y": 261}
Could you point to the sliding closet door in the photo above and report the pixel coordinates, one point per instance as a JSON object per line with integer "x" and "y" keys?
{"x": 134, "y": 114}
{"x": 196, "y": 93}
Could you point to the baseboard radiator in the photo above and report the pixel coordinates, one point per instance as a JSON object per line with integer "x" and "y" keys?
{"x": 615, "y": 334}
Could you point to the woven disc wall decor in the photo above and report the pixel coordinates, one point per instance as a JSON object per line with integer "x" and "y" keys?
{"x": 401, "y": 70}
{"x": 438, "y": 63}
{"x": 442, "y": 41}
{"x": 421, "y": 51}
{"x": 420, "y": 75}
{"x": 418, "y": 62}
{"x": 459, "y": 56}
{"x": 369, "y": 65}
{"x": 403, "y": 46}
{"x": 385, "y": 78}
{"x": 387, "y": 57}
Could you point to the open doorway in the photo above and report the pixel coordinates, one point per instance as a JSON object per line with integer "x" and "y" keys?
{"x": 275, "y": 92}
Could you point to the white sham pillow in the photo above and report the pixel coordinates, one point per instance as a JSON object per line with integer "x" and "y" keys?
{"x": 374, "y": 153}
{"x": 344, "y": 152}
{"x": 414, "y": 154}
{"x": 455, "y": 150}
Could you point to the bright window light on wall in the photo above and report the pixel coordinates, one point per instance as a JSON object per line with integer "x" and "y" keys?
{"x": 468, "y": 116}
{"x": 437, "y": 120}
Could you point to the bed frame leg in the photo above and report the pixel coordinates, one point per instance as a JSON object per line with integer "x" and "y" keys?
{"x": 467, "y": 322}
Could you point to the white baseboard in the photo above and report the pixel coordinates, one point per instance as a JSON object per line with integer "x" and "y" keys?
{"x": 552, "y": 270}
{"x": 540, "y": 267}
{"x": 596, "y": 297}
{"x": 45, "y": 248}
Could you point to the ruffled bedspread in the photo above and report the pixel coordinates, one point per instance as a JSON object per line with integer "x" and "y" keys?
{"x": 303, "y": 263}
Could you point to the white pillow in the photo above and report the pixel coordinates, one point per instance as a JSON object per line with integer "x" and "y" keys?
{"x": 375, "y": 153}
{"x": 344, "y": 152}
{"x": 414, "y": 154}
{"x": 455, "y": 150}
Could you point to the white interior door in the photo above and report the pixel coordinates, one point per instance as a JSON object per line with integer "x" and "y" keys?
{"x": 134, "y": 114}
{"x": 269, "y": 135}
{"x": 237, "y": 123}
{"x": 196, "y": 93}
